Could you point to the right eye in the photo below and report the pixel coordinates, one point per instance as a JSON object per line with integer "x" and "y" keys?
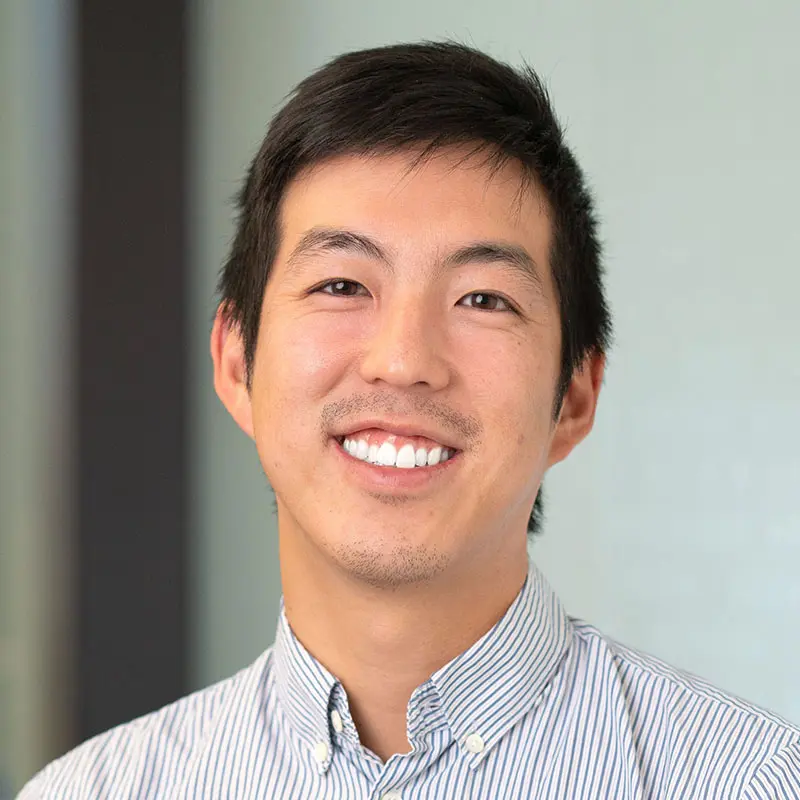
{"x": 341, "y": 288}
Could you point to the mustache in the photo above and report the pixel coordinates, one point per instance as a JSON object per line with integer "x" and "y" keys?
{"x": 468, "y": 429}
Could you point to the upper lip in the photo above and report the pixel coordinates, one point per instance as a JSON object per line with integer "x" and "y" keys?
{"x": 399, "y": 429}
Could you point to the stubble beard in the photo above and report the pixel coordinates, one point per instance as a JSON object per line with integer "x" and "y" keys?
{"x": 398, "y": 566}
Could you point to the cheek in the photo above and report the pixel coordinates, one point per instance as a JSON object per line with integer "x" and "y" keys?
{"x": 512, "y": 383}
{"x": 298, "y": 362}
{"x": 296, "y": 365}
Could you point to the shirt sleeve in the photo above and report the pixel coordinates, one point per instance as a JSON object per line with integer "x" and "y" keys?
{"x": 778, "y": 778}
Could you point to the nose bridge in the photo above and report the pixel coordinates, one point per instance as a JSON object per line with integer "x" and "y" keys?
{"x": 406, "y": 344}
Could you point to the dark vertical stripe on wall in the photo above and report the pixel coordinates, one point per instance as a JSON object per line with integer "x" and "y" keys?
{"x": 132, "y": 359}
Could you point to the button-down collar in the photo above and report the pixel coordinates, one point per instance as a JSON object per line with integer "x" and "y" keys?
{"x": 304, "y": 689}
{"x": 480, "y": 694}
{"x": 486, "y": 689}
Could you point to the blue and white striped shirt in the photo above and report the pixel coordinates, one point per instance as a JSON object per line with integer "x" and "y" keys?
{"x": 542, "y": 706}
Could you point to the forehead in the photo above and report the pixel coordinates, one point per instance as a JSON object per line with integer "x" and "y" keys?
{"x": 449, "y": 198}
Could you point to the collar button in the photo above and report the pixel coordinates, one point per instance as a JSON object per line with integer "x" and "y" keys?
{"x": 336, "y": 721}
{"x": 320, "y": 752}
{"x": 474, "y": 743}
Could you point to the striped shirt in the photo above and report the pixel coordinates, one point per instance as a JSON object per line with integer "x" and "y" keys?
{"x": 542, "y": 706}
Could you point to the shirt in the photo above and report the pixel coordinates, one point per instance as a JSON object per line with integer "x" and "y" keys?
{"x": 542, "y": 706}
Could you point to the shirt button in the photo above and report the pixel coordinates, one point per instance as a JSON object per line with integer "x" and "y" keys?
{"x": 474, "y": 743}
{"x": 392, "y": 796}
{"x": 320, "y": 752}
{"x": 336, "y": 721}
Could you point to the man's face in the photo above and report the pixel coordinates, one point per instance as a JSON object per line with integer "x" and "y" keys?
{"x": 408, "y": 314}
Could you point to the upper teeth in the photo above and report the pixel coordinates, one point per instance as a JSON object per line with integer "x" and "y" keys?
{"x": 387, "y": 455}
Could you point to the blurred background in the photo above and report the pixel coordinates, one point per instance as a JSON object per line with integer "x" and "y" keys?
{"x": 138, "y": 556}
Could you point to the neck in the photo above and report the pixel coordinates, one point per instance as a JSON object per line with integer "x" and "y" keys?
{"x": 382, "y": 643}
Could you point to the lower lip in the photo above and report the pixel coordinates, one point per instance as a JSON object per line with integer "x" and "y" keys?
{"x": 393, "y": 478}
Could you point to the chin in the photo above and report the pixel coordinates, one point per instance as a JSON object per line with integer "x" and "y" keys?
{"x": 387, "y": 565}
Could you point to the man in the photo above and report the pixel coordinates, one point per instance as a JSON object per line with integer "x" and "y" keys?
{"x": 412, "y": 329}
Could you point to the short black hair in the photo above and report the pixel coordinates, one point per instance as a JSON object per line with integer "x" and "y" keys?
{"x": 421, "y": 98}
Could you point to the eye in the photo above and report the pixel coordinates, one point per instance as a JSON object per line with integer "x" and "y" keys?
{"x": 486, "y": 302}
{"x": 341, "y": 288}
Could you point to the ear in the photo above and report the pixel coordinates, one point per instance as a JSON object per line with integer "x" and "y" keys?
{"x": 230, "y": 374}
{"x": 578, "y": 409}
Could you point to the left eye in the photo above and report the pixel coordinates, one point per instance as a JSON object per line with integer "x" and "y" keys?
{"x": 485, "y": 301}
{"x": 341, "y": 288}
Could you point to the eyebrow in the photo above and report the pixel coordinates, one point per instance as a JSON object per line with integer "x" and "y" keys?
{"x": 336, "y": 240}
{"x": 503, "y": 253}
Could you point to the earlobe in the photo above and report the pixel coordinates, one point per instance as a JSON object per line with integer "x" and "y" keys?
{"x": 578, "y": 409}
{"x": 230, "y": 371}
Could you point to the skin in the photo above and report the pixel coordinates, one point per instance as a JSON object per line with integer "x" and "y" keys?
{"x": 385, "y": 583}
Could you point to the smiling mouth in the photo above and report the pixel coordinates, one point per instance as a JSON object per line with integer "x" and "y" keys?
{"x": 395, "y": 451}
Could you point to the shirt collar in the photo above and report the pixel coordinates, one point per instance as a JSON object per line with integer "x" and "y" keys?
{"x": 486, "y": 689}
{"x": 304, "y": 688}
{"x": 483, "y": 691}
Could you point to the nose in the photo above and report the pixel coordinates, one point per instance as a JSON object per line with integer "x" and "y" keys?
{"x": 406, "y": 348}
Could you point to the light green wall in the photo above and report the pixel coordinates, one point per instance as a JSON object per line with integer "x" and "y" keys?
{"x": 676, "y": 526}
{"x": 34, "y": 367}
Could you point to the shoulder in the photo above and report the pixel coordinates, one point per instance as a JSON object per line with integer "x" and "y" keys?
{"x": 698, "y": 731}
{"x": 146, "y": 757}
